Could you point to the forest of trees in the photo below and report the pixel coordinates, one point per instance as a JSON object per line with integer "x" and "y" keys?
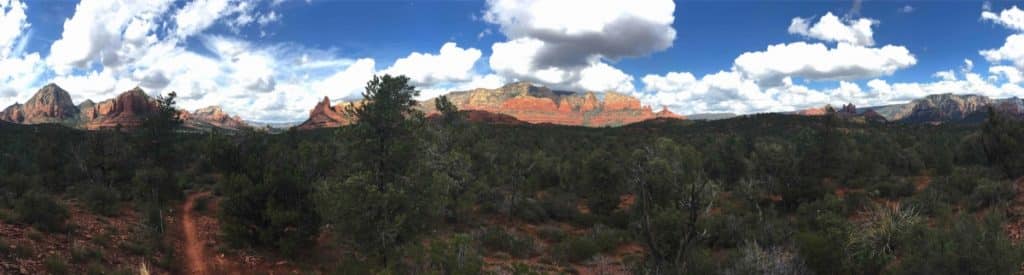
{"x": 403, "y": 193}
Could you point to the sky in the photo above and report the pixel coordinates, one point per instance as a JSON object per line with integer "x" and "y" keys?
{"x": 273, "y": 60}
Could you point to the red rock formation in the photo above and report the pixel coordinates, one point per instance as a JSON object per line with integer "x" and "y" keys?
{"x": 128, "y": 110}
{"x": 214, "y": 117}
{"x": 666, "y": 113}
{"x": 813, "y": 111}
{"x": 526, "y": 103}
{"x": 326, "y": 116}
{"x": 50, "y": 104}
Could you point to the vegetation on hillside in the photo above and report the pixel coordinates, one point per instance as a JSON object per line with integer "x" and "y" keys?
{"x": 400, "y": 193}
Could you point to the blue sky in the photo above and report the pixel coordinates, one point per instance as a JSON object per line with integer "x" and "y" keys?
{"x": 272, "y": 60}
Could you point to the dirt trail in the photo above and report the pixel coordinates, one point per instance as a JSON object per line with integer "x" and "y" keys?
{"x": 1016, "y": 212}
{"x": 195, "y": 258}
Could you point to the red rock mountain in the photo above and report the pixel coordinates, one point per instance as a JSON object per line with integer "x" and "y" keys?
{"x": 524, "y": 102}
{"x": 326, "y": 116}
{"x": 52, "y": 104}
{"x": 127, "y": 110}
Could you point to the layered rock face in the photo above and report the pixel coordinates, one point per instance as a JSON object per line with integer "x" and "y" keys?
{"x": 523, "y": 102}
{"x": 212, "y": 117}
{"x": 51, "y": 104}
{"x": 326, "y": 116}
{"x": 128, "y": 110}
{"x": 534, "y": 104}
{"x": 935, "y": 109}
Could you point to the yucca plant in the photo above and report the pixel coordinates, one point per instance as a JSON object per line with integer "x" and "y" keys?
{"x": 878, "y": 236}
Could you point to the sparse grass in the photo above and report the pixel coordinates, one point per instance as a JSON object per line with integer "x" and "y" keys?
{"x": 85, "y": 255}
{"x": 22, "y": 251}
{"x": 136, "y": 248}
{"x": 34, "y": 235}
{"x": 55, "y": 265}
{"x": 102, "y": 239}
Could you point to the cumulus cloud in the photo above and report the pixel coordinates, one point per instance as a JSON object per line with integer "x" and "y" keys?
{"x": 111, "y": 33}
{"x": 18, "y": 70}
{"x": 450, "y": 64}
{"x": 830, "y": 28}
{"x": 1012, "y": 18}
{"x": 818, "y": 62}
{"x": 1011, "y": 74}
{"x": 553, "y": 47}
{"x": 1011, "y": 51}
{"x": 728, "y": 91}
{"x": 13, "y": 22}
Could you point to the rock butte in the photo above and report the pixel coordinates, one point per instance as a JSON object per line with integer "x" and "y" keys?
{"x": 52, "y": 104}
{"x": 524, "y": 102}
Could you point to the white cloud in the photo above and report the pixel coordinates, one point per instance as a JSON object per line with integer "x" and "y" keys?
{"x": 19, "y": 72}
{"x": 818, "y": 62}
{"x": 1012, "y": 51}
{"x": 603, "y": 77}
{"x": 349, "y": 83}
{"x": 1011, "y": 74}
{"x": 830, "y": 28}
{"x": 111, "y": 33}
{"x": 947, "y": 75}
{"x": 553, "y": 47}
{"x": 731, "y": 92}
{"x": 198, "y": 15}
{"x": 450, "y": 64}
{"x": 13, "y": 22}
{"x": 1012, "y": 18}
{"x": 907, "y": 9}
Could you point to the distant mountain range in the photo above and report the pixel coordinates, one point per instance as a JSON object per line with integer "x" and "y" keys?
{"x": 52, "y": 104}
{"x": 520, "y": 101}
{"x": 932, "y": 109}
{"x": 516, "y": 103}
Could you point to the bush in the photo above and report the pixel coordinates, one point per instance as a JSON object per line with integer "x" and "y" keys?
{"x": 894, "y": 188}
{"x": 990, "y": 193}
{"x": 967, "y": 246}
{"x": 576, "y": 249}
{"x": 456, "y": 256}
{"x": 530, "y": 211}
{"x": 498, "y": 239}
{"x": 561, "y": 206}
{"x": 101, "y": 200}
{"x": 551, "y": 233}
{"x": 42, "y": 212}
{"x": 599, "y": 240}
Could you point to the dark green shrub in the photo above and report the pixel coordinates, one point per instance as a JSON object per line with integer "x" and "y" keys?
{"x": 576, "y": 249}
{"x": 42, "y": 212}
{"x": 530, "y": 211}
{"x": 967, "y": 246}
{"x": 893, "y": 188}
{"x": 497, "y": 239}
{"x": 101, "y": 200}
{"x": 456, "y": 256}
{"x": 821, "y": 251}
{"x": 561, "y": 206}
{"x": 990, "y": 193}
{"x": 551, "y": 233}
